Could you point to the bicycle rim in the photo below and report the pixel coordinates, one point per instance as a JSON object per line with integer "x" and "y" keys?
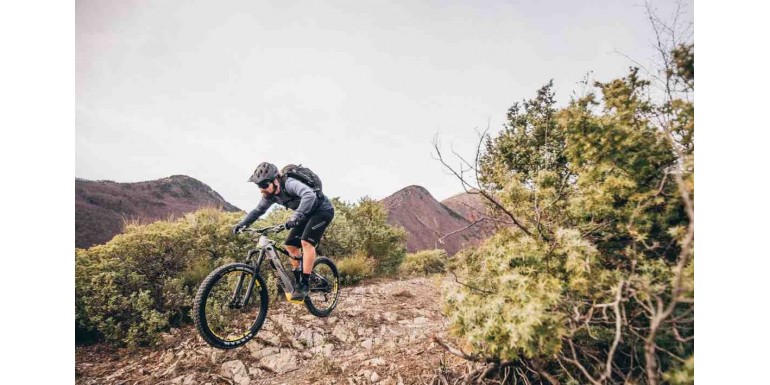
{"x": 324, "y": 284}
{"x": 225, "y": 318}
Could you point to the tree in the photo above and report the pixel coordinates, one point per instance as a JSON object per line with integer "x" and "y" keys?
{"x": 593, "y": 283}
{"x": 376, "y": 238}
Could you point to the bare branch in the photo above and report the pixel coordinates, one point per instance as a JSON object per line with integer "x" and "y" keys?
{"x": 566, "y": 371}
{"x": 485, "y": 194}
{"x": 469, "y": 286}
{"x": 508, "y": 213}
{"x": 470, "y": 166}
{"x": 662, "y": 312}
{"x": 646, "y": 306}
{"x": 427, "y": 226}
{"x": 679, "y": 338}
{"x": 611, "y": 354}
{"x": 574, "y": 361}
{"x": 442, "y": 235}
{"x": 441, "y": 240}
{"x": 482, "y": 136}
{"x": 661, "y": 83}
{"x": 542, "y": 372}
{"x": 440, "y": 158}
{"x": 657, "y": 347}
{"x": 459, "y": 353}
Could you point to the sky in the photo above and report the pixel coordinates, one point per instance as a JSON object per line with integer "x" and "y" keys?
{"x": 355, "y": 90}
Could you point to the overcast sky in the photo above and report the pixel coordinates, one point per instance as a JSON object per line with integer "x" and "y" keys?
{"x": 355, "y": 90}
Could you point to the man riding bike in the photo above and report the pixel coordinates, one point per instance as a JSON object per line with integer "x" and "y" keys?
{"x": 312, "y": 214}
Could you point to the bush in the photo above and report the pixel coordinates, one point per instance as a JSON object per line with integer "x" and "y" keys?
{"x": 363, "y": 227}
{"x": 356, "y": 268}
{"x": 143, "y": 281}
{"x": 424, "y": 262}
{"x": 376, "y": 238}
{"x": 339, "y": 240}
{"x": 599, "y": 265}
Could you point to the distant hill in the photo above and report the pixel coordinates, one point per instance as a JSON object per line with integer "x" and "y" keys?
{"x": 473, "y": 207}
{"x": 426, "y": 220}
{"x": 102, "y": 207}
{"x": 470, "y": 206}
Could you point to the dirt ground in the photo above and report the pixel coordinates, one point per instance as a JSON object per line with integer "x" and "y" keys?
{"x": 379, "y": 333}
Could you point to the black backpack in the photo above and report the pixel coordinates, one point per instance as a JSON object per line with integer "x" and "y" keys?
{"x": 302, "y": 174}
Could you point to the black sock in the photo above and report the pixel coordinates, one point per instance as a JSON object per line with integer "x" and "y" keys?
{"x": 297, "y": 275}
{"x": 305, "y": 278}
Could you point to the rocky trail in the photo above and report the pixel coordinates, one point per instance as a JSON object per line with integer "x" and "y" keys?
{"x": 379, "y": 333}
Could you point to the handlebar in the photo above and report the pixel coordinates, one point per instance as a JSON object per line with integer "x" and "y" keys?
{"x": 265, "y": 230}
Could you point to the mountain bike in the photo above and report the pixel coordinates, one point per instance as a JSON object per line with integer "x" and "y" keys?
{"x": 231, "y": 303}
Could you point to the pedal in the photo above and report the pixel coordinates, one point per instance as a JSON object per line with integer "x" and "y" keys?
{"x": 296, "y": 302}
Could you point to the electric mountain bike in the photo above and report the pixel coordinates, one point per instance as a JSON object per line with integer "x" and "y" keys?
{"x": 231, "y": 303}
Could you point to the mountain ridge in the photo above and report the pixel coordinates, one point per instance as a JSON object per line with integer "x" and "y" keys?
{"x": 430, "y": 224}
{"x": 102, "y": 207}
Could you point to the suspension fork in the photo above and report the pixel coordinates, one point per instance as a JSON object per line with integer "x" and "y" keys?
{"x": 242, "y": 302}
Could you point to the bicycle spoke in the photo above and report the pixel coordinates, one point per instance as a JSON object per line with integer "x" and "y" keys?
{"x": 324, "y": 286}
{"x": 226, "y": 316}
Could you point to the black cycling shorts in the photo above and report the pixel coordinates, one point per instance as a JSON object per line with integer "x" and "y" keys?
{"x": 311, "y": 229}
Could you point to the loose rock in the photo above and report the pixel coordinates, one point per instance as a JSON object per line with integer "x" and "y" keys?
{"x": 236, "y": 371}
{"x": 282, "y": 362}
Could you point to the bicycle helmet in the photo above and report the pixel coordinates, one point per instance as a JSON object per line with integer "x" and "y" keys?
{"x": 265, "y": 172}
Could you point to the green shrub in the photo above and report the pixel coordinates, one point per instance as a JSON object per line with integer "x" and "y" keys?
{"x": 683, "y": 374}
{"x": 355, "y": 268}
{"x": 143, "y": 281}
{"x": 376, "y": 238}
{"x": 340, "y": 239}
{"x": 363, "y": 227}
{"x": 424, "y": 262}
{"x": 599, "y": 265}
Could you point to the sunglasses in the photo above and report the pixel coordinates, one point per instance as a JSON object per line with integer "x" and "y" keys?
{"x": 264, "y": 185}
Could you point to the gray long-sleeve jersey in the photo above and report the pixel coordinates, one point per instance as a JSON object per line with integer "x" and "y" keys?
{"x": 294, "y": 195}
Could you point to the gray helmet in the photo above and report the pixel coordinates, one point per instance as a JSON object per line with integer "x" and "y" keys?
{"x": 264, "y": 172}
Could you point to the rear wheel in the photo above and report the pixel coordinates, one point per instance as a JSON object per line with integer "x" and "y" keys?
{"x": 223, "y": 314}
{"x": 324, "y": 286}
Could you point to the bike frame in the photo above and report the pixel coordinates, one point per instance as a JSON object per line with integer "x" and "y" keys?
{"x": 270, "y": 250}
{"x": 267, "y": 248}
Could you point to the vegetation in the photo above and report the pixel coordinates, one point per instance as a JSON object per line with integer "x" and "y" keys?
{"x": 363, "y": 227}
{"x": 143, "y": 281}
{"x": 593, "y": 280}
{"x": 355, "y": 269}
{"x": 424, "y": 263}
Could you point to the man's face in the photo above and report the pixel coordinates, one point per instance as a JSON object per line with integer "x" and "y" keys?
{"x": 269, "y": 190}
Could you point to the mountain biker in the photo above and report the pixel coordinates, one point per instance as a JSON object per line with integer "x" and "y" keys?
{"x": 312, "y": 214}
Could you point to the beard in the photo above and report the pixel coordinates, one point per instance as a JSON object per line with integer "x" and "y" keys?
{"x": 270, "y": 195}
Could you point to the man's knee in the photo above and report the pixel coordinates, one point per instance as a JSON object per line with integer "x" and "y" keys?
{"x": 293, "y": 250}
{"x": 306, "y": 244}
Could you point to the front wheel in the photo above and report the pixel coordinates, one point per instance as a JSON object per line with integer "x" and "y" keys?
{"x": 227, "y": 314}
{"x": 324, "y": 288}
